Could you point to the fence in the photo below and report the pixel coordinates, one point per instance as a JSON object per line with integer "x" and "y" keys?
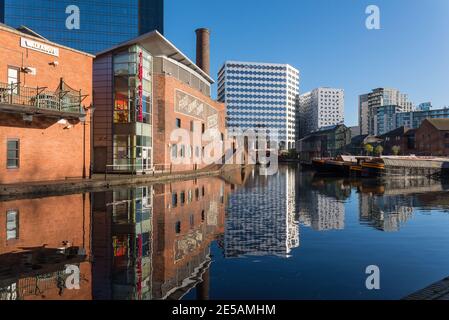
{"x": 64, "y": 99}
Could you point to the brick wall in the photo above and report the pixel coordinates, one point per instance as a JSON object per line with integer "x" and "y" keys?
{"x": 48, "y": 151}
{"x": 165, "y": 117}
{"x": 430, "y": 141}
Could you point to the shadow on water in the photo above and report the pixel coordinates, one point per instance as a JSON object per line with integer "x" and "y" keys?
{"x": 197, "y": 239}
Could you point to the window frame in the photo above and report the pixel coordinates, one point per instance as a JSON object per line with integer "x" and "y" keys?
{"x": 17, "y": 215}
{"x": 17, "y": 166}
{"x": 10, "y": 67}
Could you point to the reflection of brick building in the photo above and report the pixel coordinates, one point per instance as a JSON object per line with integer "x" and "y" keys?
{"x": 154, "y": 243}
{"x": 188, "y": 217}
{"x": 44, "y": 128}
{"x": 38, "y": 238}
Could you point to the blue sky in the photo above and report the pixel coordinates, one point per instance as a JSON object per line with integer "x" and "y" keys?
{"x": 328, "y": 42}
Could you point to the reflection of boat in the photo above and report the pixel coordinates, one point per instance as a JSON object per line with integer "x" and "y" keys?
{"x": 373, "y": 168}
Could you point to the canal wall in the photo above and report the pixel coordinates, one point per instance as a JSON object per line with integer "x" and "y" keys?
{"x": 99, "y": 183}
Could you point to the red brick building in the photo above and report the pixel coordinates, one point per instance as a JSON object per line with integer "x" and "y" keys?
{"x": 145, "y": 89}
{"x": 432, "y": 138}
{"x": 397, "y": 138}
{"x": 45, "y": 89}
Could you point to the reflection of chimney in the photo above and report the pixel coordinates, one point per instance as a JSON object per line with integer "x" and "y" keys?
{"x": 202, "y": 291}
{"x": 203, "y": 49}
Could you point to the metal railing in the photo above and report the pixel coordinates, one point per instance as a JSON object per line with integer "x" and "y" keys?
{"x": 134, "y": 169}
{"x": 40, "y": 98}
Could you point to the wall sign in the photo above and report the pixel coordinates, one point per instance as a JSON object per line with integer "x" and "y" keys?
{"x": 39, "y": 46}
{"x": 140, "y": 89}
{"x": 191, "y": 106}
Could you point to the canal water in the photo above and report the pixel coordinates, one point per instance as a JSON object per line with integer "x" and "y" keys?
{"x": 293, "y": 235}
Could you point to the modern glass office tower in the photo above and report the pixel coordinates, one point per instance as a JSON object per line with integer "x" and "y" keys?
{"x": 261, "y": 95}
{"x": 389, "y": 118}
{"x": 86, "y": 25}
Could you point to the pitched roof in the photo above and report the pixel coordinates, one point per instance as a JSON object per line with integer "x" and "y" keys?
{"x": 439, "y": 124}
{"x": 398, "y": 131}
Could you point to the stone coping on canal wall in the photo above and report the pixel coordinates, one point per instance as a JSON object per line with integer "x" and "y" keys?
{"x": 99, "y": 183}
{"x": 436, "y": 291}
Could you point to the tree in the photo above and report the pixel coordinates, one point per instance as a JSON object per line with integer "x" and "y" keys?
{"x": 379, "y": 150}
{"x": 369, "y": 149}
{"x": 396, "y": 150}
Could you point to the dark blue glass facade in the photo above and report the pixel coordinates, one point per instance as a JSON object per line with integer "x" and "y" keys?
{"x": 103, "y": 23}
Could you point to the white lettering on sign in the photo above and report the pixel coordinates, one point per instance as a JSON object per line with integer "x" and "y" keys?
{"x": 191, "y": 106}
{"x": 38, "y": 46}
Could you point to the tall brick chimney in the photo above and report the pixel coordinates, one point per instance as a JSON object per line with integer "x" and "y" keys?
{"x": 203, "y": 49}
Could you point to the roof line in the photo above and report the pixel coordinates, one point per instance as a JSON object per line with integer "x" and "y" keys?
{"x": 167, "y": 42}
{"x": 21, "y": 33}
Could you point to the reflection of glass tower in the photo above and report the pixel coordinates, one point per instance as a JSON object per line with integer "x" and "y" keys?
{"x": 386, "y": 213}
{"x": 261, "y": 217}
{"x": 322, "y": 212}
{"x": 320, "y": 208}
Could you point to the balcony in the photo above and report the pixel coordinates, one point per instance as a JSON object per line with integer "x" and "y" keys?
{"x": 64, "y": 102}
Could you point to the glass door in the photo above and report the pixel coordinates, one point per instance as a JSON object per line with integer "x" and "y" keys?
{"x": 146, "y": 159}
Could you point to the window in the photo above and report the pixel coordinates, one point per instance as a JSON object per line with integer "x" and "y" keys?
{"x": 197, "y": 194}
{"x": 192, "y": 126}
{"x": 183, "y": 198}
{"x": 178, "y": 227}
{"x": 174, "y": 200}
{"x": 12, "y": 225}
{"x": 203, "y": 128}
{"x": 13, "y": 79}
{"x": 192, "y": 221}
{"x": 178, "y": 123}
{"x": 183, "y": 151}
{"x": 12, "y": 154}
{"x": 174, "y": 151}
{"x": 190, "y": 196}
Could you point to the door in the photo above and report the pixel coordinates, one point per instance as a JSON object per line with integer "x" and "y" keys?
{"x": 146, "y": 159}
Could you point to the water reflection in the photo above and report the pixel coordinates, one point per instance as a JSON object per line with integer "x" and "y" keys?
{"x": 261, "y": 217}
{"x": 154, "y": 242}
{"x": 38, "y": 238}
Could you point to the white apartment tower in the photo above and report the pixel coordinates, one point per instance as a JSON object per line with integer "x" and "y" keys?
{"x": 319, "y": 108}
{"x": 261, "y": 95}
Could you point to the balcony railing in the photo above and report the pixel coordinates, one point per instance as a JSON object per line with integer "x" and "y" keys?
{"x": 64, "y": 99}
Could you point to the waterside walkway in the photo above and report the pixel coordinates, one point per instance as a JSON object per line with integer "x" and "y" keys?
{"x": 98, "y": 182}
